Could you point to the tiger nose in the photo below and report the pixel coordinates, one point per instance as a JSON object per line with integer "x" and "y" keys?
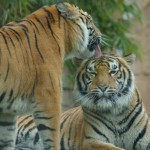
{"x": 102, "y": 87}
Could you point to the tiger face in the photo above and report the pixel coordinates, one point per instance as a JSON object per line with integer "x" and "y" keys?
{"x": 84, "y": 36}
{"x": 105, "y": 84}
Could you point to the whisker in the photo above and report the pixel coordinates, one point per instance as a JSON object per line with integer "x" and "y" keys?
{"x": 107, "y": 39}
{"x": 103, "y": 42}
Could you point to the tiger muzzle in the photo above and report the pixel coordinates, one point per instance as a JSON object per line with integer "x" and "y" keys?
{"x": 94, "y": 46}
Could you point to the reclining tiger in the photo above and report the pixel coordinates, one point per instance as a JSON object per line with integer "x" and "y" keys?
{"x": 32, "y": 51}
{"x": 111, "y": 115}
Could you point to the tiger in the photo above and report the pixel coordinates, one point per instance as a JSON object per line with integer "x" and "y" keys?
{"x": 110, "y": 115}
{"x": 32, "y": 52}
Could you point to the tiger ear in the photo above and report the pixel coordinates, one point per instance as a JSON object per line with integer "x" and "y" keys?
{"x": 130, "y": 59}
{"x": 67, "y": 10}
{"x": 77, "y": 61}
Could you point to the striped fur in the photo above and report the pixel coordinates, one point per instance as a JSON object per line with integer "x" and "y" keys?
{"x": 116, "y": 119}
{"x": 111, "y": 114}
{"x": 32, "y": 51}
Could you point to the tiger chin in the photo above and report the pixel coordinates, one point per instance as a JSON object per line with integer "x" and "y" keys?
{"x": 111, "y": 116}
{"x": 32, "y": 51}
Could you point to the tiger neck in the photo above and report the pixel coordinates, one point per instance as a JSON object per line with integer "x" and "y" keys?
{"x": 76, "y": 37}
{"x": 134, "y": 102}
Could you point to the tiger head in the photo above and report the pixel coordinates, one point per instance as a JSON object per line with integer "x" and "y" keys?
{"x": 84, "y": 37}
{"x": 105, "y": 84}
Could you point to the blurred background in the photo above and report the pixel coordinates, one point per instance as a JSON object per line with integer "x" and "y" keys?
{"x": 125, "y": 27}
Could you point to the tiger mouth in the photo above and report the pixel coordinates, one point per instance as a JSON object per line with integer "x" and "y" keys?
{"x": 112, "y": 97}
{"x": 94, "y": 46}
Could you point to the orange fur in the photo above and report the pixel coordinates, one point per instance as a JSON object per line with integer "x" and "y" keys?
{"x": 32, "y": 51}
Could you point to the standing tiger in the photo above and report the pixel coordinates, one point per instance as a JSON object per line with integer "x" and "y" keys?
{"x": 32, "y": 51}
{"x": 111, "y": 114}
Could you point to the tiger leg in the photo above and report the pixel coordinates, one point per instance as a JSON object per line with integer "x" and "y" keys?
{"x": 7, "y": 131}
{"x": 98, "y": 145}
{"x": 47, "y": 118}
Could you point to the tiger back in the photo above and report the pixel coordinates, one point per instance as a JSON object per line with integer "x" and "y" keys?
{"x": 111, "y": 116}
{"x": 32, "y": 51}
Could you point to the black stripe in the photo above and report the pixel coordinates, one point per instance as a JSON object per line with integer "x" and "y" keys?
{"x": 98, "y": 132}
{"x": 45, "y": 118}
{"x": 10, "y": 95}
{"x": 38, "y": 112}
{"x": 50, "y": 15}
{"x": 82, "y": 33}
{"x": 14, "y": 31}
{"x": 81, "y": 90}
{"x": 59, "y": 24}
{"x": 49, "y": 140}
{"x": 62, "y": 123}
{"x": 10, "y": 100}
{"x": 37, "y": 47}
{"x": 36, "y": 139}
{"x": 50, "y": 78}
{"x": 24, "y": 27}
{"x": 35, "y": 83}
{"x": 129, "y": 82}
{"x": 10, "y": 104}
{"x": 6, "y": 143}
{"x": 13, "y": 45}
{"x": 28, "y": 132}
{"x": 124, "y": 120}
{"x": 62, "y": 143}
{"x": 82, "y": 19}
{"x": 28, "y": 21}
{"x": 7, "y": 72}
{"x": 131, "y": 121}
{"x": 79, "y": 84}
{"x": 5, "y": 123}
{"x": 6, "y": 43}
{"x": 44, "y": 127}
{"x": 2, "y": 96}
{"x": 40, "y": 24}
{"x": 124, "y": 75}
{"x": 34, "y": 25}
{"x": 19, "y": 21}
{"x": 49, "y": 26}
{"x": 140, "y": 135}
{"x": 10, "y": 39}
{"x": 28, "y": 39}
{"x": 100, "y": 120}
{"x": 24, "y": 119}
{"x": 27, "y": 124}
{"x": 70, "y": 133}
{"x": 18, "y": 37}
{"x": 133, "y": 110}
